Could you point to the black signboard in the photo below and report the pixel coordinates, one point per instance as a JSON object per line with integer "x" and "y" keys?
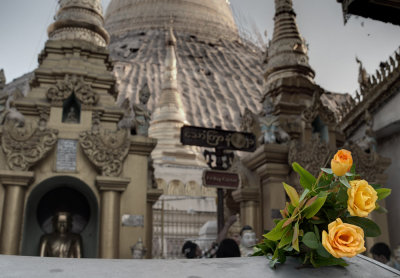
{"x": 218, "y": 138}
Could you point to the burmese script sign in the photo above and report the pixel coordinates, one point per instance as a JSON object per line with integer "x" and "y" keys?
{"x": 220, "y": 179}
{"x": 66, "y": 155}
{"x": 218, "y": 138}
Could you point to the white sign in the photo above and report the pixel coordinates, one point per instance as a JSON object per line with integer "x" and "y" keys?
{"x": 133, "y": 220}
{"x": 66, "y": 155}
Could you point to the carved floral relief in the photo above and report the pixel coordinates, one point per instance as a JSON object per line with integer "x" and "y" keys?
{"x": 318, "y": 109}
{"x": 310, "y": 155}
{"x": 106, "y": 149}
{"x": 74, "y": 84}
{"x": 25, "y": 144}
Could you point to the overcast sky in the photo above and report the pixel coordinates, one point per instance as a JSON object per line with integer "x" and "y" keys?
{"x": 332, "y": 45}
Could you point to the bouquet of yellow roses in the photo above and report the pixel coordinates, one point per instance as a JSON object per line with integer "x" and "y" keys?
{"x": 328, "y": 220}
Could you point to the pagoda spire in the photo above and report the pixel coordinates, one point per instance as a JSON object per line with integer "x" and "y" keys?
{"x": 170, "y": 107}
{"x": 169, "y": 116}
{"x": 287, "y": 52}
{"x": 79, "y": 20}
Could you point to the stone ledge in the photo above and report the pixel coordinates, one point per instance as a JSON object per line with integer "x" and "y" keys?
{"x": 19, "y": 178}
{"x": 104, "y": 183}
{"x": 36, "y": 267}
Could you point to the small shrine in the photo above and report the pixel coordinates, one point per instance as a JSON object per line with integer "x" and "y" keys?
{"x": 68, "y": 164}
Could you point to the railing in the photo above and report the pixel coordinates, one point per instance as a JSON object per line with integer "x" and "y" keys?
{"x": 172, "y": 226}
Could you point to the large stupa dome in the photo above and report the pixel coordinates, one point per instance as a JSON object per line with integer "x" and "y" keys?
{"x": 210, "y": 18}
{"x": 218, "y": 74}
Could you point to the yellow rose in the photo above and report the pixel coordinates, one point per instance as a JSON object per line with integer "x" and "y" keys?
{"x": 362, "y": 198}
{"x": 343, "y": 239}
{"x": 341, "y": 162}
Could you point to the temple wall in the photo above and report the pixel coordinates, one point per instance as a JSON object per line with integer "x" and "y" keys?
{"x": 133, "y": 202}
{"x": 387, "y": 118}
{"x": 390, "y": 147}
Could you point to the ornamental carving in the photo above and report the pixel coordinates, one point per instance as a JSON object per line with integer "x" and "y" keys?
{"x": 25, "y": 144}
{"x": 311, "y": 156}
{"x": 318, "y": 109}
{"x": 368, "y": 165}
{"x": 106, "y": 149}
{"x": 250, "y": 123}
{"x": 58, "y": 93}
{"x": 95, "y": 5}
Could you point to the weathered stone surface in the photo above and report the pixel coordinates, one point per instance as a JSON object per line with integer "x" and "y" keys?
{"x": 13, "y": 266}
{"x": 209, "y": 19}
{"x": 216, "y": 80}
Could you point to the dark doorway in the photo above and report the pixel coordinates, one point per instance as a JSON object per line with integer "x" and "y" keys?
{"x": 58, "y": 193}
{"x": 63, "y": 199}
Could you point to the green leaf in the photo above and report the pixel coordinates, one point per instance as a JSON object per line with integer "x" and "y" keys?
{"x": 304, "y": 194}
{"x": 287, "y": 222}
{"x": 327, "y": 170}
{"x": 317, "y": 221}
{"x": 311, "y": 201}
{"x": 380, "y": 209}
{"x": 344, "y": 181}
{"x": 267, "y": 246}
{"x": 318, "y": 261}
{"x": 276, "y": 233}
{"x": 341, "y": 196}
{"x": 371, "y": 229}
{"x": 290, "y": 209}
{"x": 295, "y": 240}
{"x": 314, "y": 207}
{"x": 375, "y": 186}
{"x": 322, "y": 251}
{"x": 383, "y": 193}
{"x": 349, "y": 174}
{"x": 257, "y": 253}
{"x": 272, "y": 263}
{"x": 353, "y": 169}
{"x": 316, "y": 231}
{"x": 310, "y": 240}
{"x": 292, "y": 193}
{"x": 306, "y": 179}
{"x": 286, "y": 239}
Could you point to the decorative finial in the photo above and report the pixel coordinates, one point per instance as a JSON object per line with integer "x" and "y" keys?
{"x": 363, "y": 76}
{"x": 170, "y": 39}
{"x": 2, "y": 79}
{"x": 283, "y": 6}
{"x": 79, "y": 20}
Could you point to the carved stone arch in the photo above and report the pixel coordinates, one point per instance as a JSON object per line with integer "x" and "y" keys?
{"x": 319, "y": 120}
{"x": 61, "y": 193}
{"x": 208, "y": 191}
{"x": 71, "y": 110}
{"x": 162, "y": 184}
{"x": 176, "y": 188}
{"x": 72, "y": 84}
{"x": 192, "y": 188}
{"x": 319, "y": 127}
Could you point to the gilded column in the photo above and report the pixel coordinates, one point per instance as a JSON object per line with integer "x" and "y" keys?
{"x": 249, "y": 199}
{"x": 15, "y": 183}
{"x": 270, "y": 162}
{"x": 111, "y": 189}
